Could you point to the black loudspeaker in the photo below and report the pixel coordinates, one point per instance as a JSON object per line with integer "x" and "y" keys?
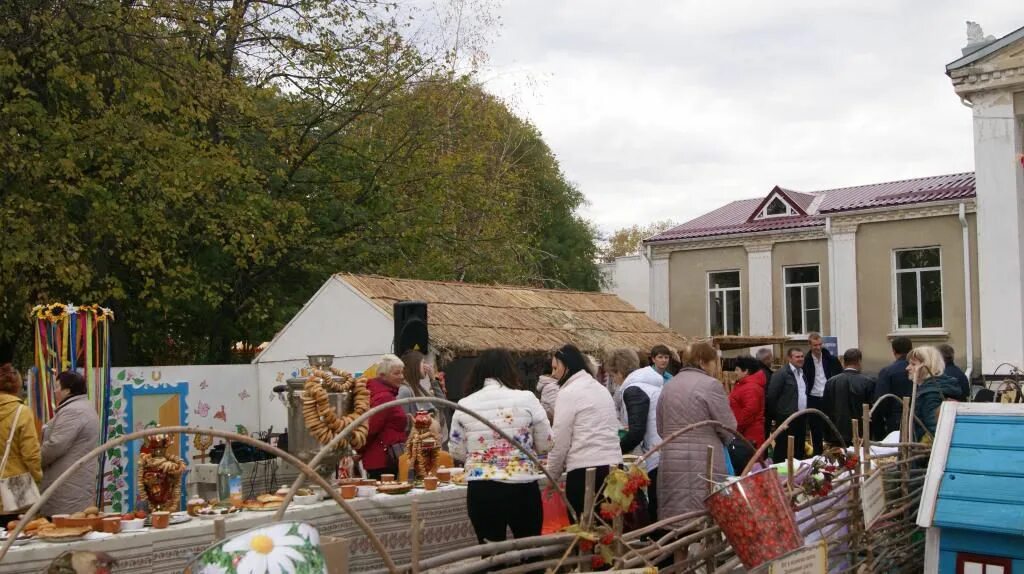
{"x": 411, "y": 327}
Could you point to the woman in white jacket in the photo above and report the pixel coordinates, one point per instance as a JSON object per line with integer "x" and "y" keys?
{"x": 586, "y": 426}
{"x": 503, "y": 491}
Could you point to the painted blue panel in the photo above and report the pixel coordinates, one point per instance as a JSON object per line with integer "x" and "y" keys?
{"x": 947, "y": 562}
{"x": 988, "y": 543}
{"x": 988, "y": 435}
{"x": 991, "y": 419}
{"x": 983, "y": 461}
{"x": 988, "y": 517}
{"x": 982, "y": 487}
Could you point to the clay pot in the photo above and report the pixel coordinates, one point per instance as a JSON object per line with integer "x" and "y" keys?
{"x": 348, "y": 491}
{"x": 112, "y": 525}
{"x": 160, "y": 519}
{"x": 430, "y": 483}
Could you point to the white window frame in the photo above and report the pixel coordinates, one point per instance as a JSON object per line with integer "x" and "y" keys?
{"x": 919, "y": 329}
{"x": 803, "y": 299}
{"x": 763, "y": 214}
{"x": 708, "y": 290}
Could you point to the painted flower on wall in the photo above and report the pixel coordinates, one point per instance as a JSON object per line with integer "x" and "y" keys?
{"x": 291, "y": 547}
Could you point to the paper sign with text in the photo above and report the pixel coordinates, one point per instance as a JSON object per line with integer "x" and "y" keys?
{"x": 809, "y": 560}
{"x": 872, "y": 499}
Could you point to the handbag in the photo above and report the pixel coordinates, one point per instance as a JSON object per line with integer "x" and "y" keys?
{"x": 393, "y": 452}
{"x": 738, "y": 454}
{"x": 20, "y": 491}
{"x": 556, "y": 515}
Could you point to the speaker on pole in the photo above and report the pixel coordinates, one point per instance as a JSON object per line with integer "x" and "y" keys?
{"x": 411, "y": 327}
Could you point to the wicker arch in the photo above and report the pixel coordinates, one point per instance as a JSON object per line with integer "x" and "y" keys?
{"x": 345, "y": 432}
{"x": 785, "y": 425}
{"x": 304, "y": 470}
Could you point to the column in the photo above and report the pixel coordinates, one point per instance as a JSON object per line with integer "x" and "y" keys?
{"x": 659, "y": 305}
{"x": 1000, "y": 212}
{"x": 759, "y": 289}
{"x": 842, "y": 282}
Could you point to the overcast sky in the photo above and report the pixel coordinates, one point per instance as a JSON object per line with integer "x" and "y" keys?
{"x": 670, "y": 109}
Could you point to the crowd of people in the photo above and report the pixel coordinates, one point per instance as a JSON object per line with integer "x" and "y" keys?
{"x": 584, "y": 414}
{"x": 589, "y": 413}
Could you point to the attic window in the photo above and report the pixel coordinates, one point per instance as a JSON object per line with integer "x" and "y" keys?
{"x": 776, "y": 208}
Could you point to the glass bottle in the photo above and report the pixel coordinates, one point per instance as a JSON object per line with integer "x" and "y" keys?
{"x": 229, "y": 478}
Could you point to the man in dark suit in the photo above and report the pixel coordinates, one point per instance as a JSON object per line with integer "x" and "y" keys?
{"x": 819, "y": 367}
{"x": 765, "y": 356}
{"x": 892, "y": 380}
{"x": 846, "y": 394}
{"x": 785, "y": 395}
{"x": 954, "y": 371}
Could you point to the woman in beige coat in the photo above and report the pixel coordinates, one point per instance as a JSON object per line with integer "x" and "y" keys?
{"x": 70, "y": 435}
{"x": 24, "y": 455}
{"x": 692, "y": 396}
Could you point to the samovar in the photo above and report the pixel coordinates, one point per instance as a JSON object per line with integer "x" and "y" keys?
{"x": 301, "y": 442}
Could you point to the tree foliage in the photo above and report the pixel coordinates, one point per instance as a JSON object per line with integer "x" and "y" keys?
{"x": 630, "y": 240}
{"x": 202, "y": 167}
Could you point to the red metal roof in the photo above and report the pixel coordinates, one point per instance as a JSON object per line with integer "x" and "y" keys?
{"x": 733, "y": 217}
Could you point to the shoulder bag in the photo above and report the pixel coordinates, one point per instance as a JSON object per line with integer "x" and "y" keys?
{"x": 20, "y": 491}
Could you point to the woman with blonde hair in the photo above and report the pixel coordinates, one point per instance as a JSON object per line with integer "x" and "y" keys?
{"x": 692, "y": 396}
{"x": 639, "y": 390}
{"x": 18, "y": 433}
{"x": 925, "y": 367}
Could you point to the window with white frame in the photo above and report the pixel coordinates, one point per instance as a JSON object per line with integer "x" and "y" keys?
{"x": 802, "y": 290}
{"x": 776, "y": 208}
{"x": 967, "y": 563}
{"x": 918, "y": 287}
{"x": 724, "y": 305}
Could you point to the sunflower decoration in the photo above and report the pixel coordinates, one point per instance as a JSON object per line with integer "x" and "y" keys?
{"x": 56, "y": 312}
{"x": 104, "y": 314}
{"x": 39, "y": 311}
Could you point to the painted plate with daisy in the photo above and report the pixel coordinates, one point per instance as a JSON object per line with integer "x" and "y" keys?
{"x": 292, "y": 547}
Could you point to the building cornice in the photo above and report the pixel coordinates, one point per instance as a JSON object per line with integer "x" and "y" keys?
{"x": 997, "y": 73}
{"x": 841, "y": 223}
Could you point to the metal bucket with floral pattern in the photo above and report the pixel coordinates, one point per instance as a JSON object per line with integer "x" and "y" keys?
{"x": 756, "y": 518}
{"x": 292, "y": 547}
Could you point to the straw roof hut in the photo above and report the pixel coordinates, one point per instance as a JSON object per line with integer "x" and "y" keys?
{"x": 465, "y": 318}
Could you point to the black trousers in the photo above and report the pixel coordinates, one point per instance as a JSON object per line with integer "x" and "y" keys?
{"x": 576, "y": 487}
{"x": 798, "y": 430}
{"x": 494, "y": 507}
{"x": 816, "y": 426}
{"x": 652, "y": 495}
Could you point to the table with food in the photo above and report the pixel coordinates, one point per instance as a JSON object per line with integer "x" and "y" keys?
{"x": 155, "y": 542}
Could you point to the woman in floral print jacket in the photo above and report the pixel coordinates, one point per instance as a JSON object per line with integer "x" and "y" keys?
{"x": 503, "y": 491}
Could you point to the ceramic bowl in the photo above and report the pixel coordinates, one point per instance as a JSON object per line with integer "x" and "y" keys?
{"x": 134, "y": 524}
{"x": 306, "y": 499}
{"x": 364, "y": 491}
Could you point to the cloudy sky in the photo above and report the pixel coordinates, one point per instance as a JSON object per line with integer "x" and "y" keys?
{"x": 670, "y": 109}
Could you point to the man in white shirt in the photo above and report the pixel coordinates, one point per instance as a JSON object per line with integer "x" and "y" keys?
{"x": 819, "y": 366}
{"x": 787, "y": 394}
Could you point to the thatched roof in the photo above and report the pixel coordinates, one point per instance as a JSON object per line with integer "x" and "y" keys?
{"x": 465, "y": 318}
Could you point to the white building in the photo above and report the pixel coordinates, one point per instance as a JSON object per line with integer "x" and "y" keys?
{"x": 989, "y": 79}
{"x": 629, "y": 277}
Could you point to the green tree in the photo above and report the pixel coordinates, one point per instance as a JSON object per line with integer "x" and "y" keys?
{"x": 202, "y": 167}
{"x": 630, "y": 240}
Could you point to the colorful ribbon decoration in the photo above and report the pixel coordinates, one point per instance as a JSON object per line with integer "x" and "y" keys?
{"x": 76, "y": 339}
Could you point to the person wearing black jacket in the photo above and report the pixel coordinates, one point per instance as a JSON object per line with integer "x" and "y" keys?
{"x": 955, "y": 372}
{"x": 787, "y": 394}
{"x": 846, "y": 394}
{"x": 819, "y": 367}
{"x": 892, "y": 380}
{"x": 765, "y": 357}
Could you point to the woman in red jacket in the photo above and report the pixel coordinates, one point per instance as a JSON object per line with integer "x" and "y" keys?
{"x": 747, "y": 400}
{"x": 389, "y": 427}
